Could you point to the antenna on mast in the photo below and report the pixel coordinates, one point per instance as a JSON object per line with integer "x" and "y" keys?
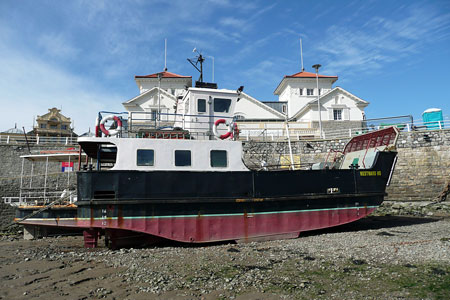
{"x": 165, "y": 54}
{"x": 194, "y": 62}
{"x": 200, "y": 59}
{"x": 301, "y": 54}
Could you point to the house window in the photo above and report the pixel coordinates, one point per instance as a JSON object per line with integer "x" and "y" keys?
{"x": 309, "y": 92}
{"x": 145, "y": 157}
{"x": 337, "y": 114}
{"x": 222, "y": 105}
{"x": 64, "y": 127}
{"x": 53, "y": 126}
{"x": 43, "y": 125}
{"x": 301, "y": 92}
{"x": 182, "y": 158}
{"x": 201, "y": 105}
{"x": 218, "y": 159}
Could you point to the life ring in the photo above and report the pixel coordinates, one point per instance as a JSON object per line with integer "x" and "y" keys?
{"x": 112, "y": 131}
{"x": 223, "y": 136}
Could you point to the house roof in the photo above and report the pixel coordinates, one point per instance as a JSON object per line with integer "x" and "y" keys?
{"x": 301, "y": 75}
{"x": 333, "y": 91}
{"x": 304, "y": 74}
{"x": 165, "y": 74}
{"x": 262, "y": 105}
{"x": 53, "y": 113}
{"x": 151, "y": 91}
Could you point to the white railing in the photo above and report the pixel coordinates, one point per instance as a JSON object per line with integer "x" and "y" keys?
{"x": 37, "y": 140}
{"x": 198, "y": 128}
{"x": 37, "y": 198}
{"x": 402, "y": 126}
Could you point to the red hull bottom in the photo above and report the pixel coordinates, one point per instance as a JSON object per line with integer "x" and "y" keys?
{"x": 202, "y": 229}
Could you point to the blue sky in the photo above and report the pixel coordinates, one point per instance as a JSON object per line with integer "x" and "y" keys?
{"x": 82, "y": 56}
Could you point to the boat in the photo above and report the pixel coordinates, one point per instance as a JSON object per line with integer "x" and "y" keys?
{"x": 183, "y": 177}
{"x": 196, "y": 187}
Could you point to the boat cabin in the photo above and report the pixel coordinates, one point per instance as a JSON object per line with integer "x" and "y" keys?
{"x": 146, "y": 154}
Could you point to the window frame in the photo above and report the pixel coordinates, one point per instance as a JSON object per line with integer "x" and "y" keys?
{"x": 337, "y": 112}
{"x": 211, "y": 161}
{"x": 198, "y": 106}
{"x": 175, "y": 158}
{"x": 144, "y": 165}
{"x": 229, "y": 106}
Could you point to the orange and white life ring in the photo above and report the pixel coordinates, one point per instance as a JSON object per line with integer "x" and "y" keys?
{"x": 223, "y": 136}
{"x": 112, "y": 131}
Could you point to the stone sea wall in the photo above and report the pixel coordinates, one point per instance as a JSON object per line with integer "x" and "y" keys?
{"x": 421, "y": 173}
{"x": 10, "y": 169}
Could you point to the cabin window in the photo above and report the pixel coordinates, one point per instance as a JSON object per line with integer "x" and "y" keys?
{"x": 53, "y": 126}
{"x": 64, "y": 127}
{"x": 201, "y": 105}
{"x": 222, "y": 105}
{"x": 337, "y": 114}
{"x": 43, "y": 125}
{"x": 145, "y": 157}
{"x": 182, "y": 158}
{"x": 219, "y": 159}
{"x": 284, "y": 108}
{"x": 309, "y": 92}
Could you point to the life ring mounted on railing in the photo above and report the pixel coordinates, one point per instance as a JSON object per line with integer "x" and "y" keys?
{"x": 111, "y": 132}
{"x": 226, "y": 135}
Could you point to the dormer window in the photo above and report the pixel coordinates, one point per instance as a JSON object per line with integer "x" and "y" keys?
{"x": 337, "y": 114}
{"x": 310, "y": 92}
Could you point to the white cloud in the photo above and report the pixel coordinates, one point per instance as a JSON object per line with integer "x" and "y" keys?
{"x": 380, "y": 41}
{"x": 30, "y": 86}
{"x": 57, "y": 45}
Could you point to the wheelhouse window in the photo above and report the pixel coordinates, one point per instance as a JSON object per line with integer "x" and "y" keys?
{"x": 222, "y": 105}
{"x": 145, "y": 157}
{"x": 309, "y": 92}
{"x": 201, "y": 105}
{"x": 218, "y": 159}
{"x": 337, "y": 114}
{"x": 182, "y": 158}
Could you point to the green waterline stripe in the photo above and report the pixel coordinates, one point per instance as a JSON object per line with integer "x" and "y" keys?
{"x": 231, "y": 215}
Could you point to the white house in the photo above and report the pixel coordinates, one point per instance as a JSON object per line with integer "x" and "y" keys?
{"x": 339, "y": 109}
{"x": 297, "y": 98}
